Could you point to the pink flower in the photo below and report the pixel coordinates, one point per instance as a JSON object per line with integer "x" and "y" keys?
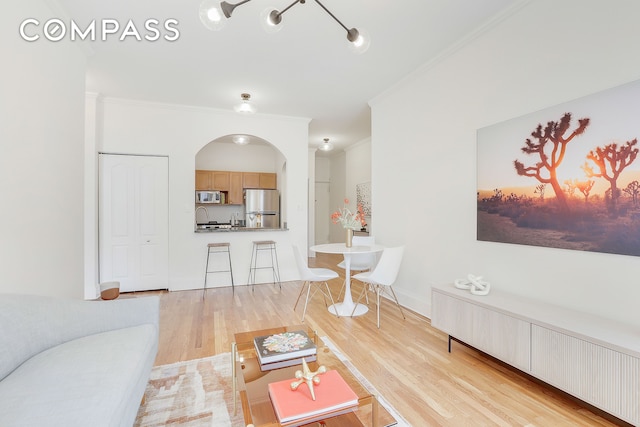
{"x": 349, "y": 220}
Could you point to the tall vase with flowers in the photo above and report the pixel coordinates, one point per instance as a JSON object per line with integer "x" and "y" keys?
{"x": 350, "y": 221}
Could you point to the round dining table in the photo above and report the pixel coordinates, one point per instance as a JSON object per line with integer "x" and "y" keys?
{"x": 346, "y": 307}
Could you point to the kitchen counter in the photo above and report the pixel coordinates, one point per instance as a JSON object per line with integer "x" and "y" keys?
{"x": 235, "y": 229}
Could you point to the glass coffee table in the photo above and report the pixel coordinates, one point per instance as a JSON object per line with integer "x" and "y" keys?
{"x": 250, "y": 384}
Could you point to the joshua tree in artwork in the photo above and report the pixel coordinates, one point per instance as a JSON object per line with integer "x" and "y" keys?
{"x": 550, "y": 144}
{"x": 633, "y": 190}
{"x": 540, "y": 190}
{"x": 610, "y": 161}
{"x": 585, "y": 188}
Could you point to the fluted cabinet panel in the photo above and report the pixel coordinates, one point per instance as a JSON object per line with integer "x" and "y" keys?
{"x": 598, "y": 375}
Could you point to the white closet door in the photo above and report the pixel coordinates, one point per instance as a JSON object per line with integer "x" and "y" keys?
{"x": 134, "y": 221}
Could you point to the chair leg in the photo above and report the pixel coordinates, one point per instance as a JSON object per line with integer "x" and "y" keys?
{"x": 304, "y": 312}
{"x": 331, "y": 297}
{"x": 304, "y": 284}
{"x": 397, "y": 303}
{"x": 362, "y": 292}
{"x": 344, "y": 282}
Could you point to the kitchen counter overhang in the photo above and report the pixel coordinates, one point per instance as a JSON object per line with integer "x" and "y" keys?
{"x": 236, "y": 229}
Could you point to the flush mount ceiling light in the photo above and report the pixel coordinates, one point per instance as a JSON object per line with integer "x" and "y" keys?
{"x": 245, "y": 106}
{"x": 240, "y": 139}
{"x": 212, "y": 15}
{"x": 326, "y": 145}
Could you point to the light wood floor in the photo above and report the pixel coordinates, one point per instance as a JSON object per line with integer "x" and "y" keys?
{"x": 406, "y": 360}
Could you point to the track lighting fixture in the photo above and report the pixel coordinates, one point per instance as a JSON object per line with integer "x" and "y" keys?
{"x": 213, "y": 17}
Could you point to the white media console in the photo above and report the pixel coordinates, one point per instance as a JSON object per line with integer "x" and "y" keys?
{"x": 594, "y": 359}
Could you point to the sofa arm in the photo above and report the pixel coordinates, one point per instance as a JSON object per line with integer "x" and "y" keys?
{"x": 30, "y": 324}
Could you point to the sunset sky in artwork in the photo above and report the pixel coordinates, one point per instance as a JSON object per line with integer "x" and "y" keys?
{"x": 614, "y": 115}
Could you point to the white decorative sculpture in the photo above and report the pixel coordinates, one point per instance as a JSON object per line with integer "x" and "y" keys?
{"x": 475, "y": 284}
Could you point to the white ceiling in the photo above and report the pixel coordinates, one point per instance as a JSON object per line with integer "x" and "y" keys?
{"x": 305, "y": 70}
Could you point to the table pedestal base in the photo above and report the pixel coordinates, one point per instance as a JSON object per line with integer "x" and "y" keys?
{"x": 342, "y": 309}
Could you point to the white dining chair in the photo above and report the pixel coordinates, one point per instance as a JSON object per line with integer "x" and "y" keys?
{"x": 382, "y": 277}
{"x": 316, "y": 277}
{"x": 360, "y": 262}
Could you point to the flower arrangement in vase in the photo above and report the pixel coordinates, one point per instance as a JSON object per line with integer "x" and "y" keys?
{"x": 349, "y": 220}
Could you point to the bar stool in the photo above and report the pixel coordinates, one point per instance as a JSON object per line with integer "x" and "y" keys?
{"x": 264, "y": 245}
{"x": 213, "y": 249}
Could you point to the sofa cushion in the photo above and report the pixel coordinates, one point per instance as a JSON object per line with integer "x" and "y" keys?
{"x": 95, "y": 381}
{"x": 30, "y": 324}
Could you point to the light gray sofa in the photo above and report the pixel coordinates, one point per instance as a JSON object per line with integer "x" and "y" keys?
{"x": 66, "y": 362}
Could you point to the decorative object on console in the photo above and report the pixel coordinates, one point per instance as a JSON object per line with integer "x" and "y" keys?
{"x": 284, "y": 346}
{"x": 474, "y": 284}
{"x": 212, "y": 16}
{"x": 310, "y": 378}
{"x": 333, "y": 397}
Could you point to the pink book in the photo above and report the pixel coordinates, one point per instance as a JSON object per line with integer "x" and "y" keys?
{"x": 333, "y": 394}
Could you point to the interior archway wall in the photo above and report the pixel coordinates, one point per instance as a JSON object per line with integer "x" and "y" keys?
{"x": 180, "y": 132}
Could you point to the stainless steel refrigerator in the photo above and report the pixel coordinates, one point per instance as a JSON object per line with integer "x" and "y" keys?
{"x": 262, "y": 208}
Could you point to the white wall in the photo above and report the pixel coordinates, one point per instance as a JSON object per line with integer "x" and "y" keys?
{"x": 424, "y": 152}
{"x": 179, "y": 132}
{"x": 41, "y": 166}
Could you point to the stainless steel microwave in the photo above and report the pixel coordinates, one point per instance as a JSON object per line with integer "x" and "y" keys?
{"x": 208, "y": 197}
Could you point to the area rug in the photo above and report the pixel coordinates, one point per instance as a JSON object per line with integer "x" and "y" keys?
{"x": 195, "y": 393}
{"x": 198, "y": 393}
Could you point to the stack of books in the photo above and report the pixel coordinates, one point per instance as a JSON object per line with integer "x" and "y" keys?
{"x": 295, "y": 408}
{"x": 284, "y": 349}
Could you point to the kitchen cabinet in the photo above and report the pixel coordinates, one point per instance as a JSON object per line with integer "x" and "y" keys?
{"x": 235, "y": 188}
{"x": 212, "y": 180}
{"x": 203, "y": 180}
{"x": 262, "y": 180}
{"x": 220, "y": 180}
{"x": 268, "y": 180}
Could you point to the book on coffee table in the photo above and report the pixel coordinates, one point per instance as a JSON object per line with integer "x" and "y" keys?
{"x": 284, "y": 346}
{"x": 285, "y": 363}
{"x": 333, "y": 397}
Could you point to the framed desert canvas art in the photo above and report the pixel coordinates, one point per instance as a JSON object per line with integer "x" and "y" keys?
{"x": 564, "y": 177}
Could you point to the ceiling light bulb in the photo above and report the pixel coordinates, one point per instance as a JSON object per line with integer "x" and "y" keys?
{"x": 245, "y": 106}
{"x": 271, "y": 20}
{"x": 359, "y": 40}
{"x": 240, "y": 139}
{"x": 326, "y": 146}
{"x": 211, "y": 15}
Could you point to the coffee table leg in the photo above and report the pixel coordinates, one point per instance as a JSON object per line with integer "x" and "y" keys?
{"x": 233, "y": 374}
